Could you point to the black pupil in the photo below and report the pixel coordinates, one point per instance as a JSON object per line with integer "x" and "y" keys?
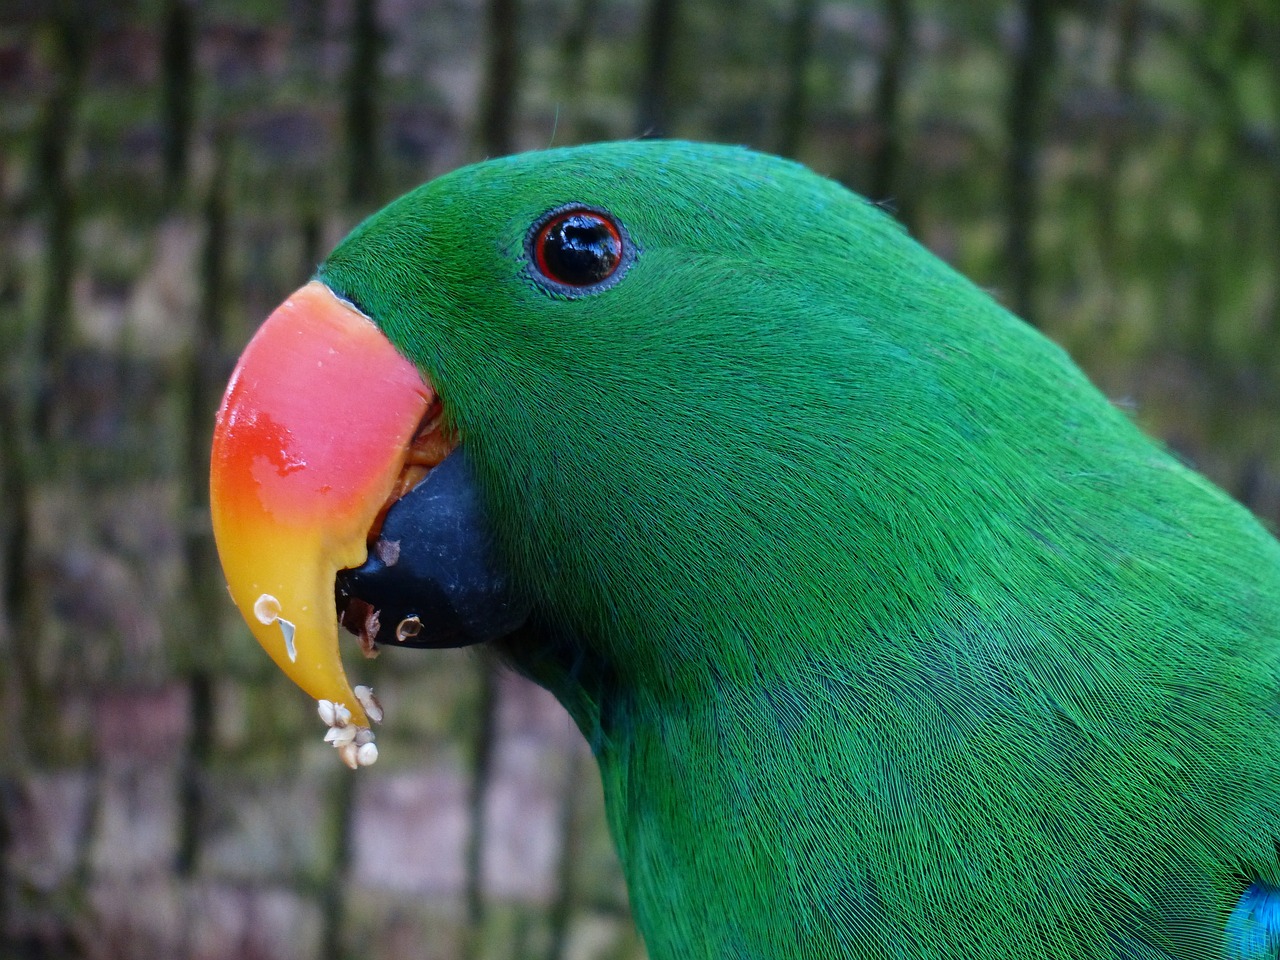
{"x": 580, "y": 250}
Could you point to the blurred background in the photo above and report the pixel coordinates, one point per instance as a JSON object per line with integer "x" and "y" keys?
{"x": 170, "y": 170}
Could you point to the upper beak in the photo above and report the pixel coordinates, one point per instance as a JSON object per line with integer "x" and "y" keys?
{"x": 312, "y": 435}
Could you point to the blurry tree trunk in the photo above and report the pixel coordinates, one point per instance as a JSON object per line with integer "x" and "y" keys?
{"x": 19, "y": 646}
{"x": 29, "y": 421}
{"x": 498, "y": 103}
{"x": 1249, "y": 482}
{"x": 203, "y": 379}
{"x": 16, "y": 517}
{"x": 501, "y": 79}
{"x": 312, "y": 236}
{"x": 654, "y": 106}
{"x": 477, "y": 796}
{"x": 1028, "y": 103}
{"x": 56, "y": 195}
{"x": 20, "y": 601}
{"x": 9, "y": 942}
{"x": 562, "y": 905}
{"x": 1271, "y": 333}
{"x": 195, "y": 764}
{"x": 177, "y": 57}
{"x": 334, "y": 894}
{"x": 887, "y": 157}
{"x": 1127, "y": 22}
{"x": 497, "y": 107}
{"x": 1231, "y": 125}
{"x": 364, "y": 158}
{"x": 1213, "y": 246}
{"x": 1127, "y": 27}
{"x": 311, "y": 18}
{"x": 573, "y": 45}
{"x": 795, "y": 101}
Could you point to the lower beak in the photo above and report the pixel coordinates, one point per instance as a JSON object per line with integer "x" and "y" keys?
{"x": 311, "y": 438}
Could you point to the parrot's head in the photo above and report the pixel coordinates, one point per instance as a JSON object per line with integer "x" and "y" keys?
{"x": 670, "y": 366}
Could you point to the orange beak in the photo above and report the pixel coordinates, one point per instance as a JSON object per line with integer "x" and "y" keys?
{"x": 310, "y": 439}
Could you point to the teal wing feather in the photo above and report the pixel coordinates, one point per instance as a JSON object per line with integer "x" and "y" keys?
{"x": 1253, "y": 929}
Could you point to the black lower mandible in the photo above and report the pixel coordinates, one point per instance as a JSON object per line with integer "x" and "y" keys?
{"x": 432, "y": 577}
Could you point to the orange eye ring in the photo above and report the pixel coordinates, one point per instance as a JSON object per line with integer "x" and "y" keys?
{"x": 577, "y": 249}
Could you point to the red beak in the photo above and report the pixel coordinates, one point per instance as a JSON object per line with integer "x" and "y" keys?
{"x": 311, "y": 437}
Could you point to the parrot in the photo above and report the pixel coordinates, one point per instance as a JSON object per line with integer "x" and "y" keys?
{"x": 891, "y": 635}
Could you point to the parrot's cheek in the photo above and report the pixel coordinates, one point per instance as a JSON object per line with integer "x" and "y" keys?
{"x": 323, "y": 426}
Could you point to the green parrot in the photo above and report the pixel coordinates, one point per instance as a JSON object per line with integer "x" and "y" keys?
{"x": 891, "y": 635}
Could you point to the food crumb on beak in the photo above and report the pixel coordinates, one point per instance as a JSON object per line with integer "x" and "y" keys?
{"x": 408, "y": 628}
{"x": 372, "y": 708}
{"x": 267, "y": 609}
{"x": 364, "y": 620}
{"x": 388, "y": 551}
{"x": 354, "y": 743}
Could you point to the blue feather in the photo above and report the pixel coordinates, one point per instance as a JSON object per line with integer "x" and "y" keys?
{"x": 1253, "y": 929}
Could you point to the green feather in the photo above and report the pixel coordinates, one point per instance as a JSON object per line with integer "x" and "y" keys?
{"x": 892, "y": 636}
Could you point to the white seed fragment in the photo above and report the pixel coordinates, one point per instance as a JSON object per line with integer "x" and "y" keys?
{"x": 346, "y": 734}
{"x": 408, "y": 628}
{"x": 339, "y": 736}
{"x": 288, "y": 629}
{"x": 388, "y": 551}
{"x": 267, "y": 609}
{"x": 350, "y": 755}
{"x": 354, "y": 743}
{"x": 372, "y": 708}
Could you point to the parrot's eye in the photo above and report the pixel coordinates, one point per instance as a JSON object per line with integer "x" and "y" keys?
{"x": 577, "y": 250}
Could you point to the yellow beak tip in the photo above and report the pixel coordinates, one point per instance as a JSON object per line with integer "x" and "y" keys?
{"x": 309, "y": 441}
